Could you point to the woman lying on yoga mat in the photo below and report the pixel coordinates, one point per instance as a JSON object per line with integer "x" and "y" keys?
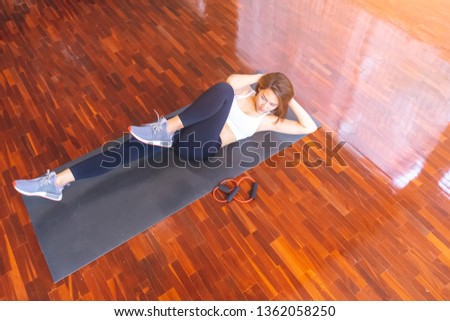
{"x": 226, "y": 112}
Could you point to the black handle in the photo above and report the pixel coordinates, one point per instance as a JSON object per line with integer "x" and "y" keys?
{"x": 233, "y": 194}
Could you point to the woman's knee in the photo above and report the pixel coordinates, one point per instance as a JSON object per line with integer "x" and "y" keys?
{"x": 224, "y": 89}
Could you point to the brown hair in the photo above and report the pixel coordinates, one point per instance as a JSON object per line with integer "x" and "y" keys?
{"x": 281, "y": 87}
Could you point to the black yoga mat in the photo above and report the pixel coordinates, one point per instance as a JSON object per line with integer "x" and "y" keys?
{"x": 98, "y": 214}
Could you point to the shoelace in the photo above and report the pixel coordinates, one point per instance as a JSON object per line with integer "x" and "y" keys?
{"x": 157, "y": 127}
{"x": 46, "y": 179}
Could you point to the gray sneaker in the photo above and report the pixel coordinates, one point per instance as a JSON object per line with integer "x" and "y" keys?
{"x": 44, "y": 186}
{"x": 153, "y": 133}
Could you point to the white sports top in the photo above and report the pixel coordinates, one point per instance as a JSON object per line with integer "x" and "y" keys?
{"x": 241, "y": 124}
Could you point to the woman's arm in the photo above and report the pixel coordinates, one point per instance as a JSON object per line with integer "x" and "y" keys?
{"x": 303, "y": 117}
{"x": 240, "y": 83}
{"x": 303, "y": 125}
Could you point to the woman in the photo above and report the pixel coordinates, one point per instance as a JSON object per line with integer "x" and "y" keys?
{"x": 225, "y": 113}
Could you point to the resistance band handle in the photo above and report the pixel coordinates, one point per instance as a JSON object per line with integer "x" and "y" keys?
{"x": 224, "y": 188}
{"x": 233, "y": 194}
{"x": 254, "y": 191}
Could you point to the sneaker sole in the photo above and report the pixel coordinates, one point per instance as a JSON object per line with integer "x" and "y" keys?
{"x": 40, "y": 194}
{"x": 152, "y": 142}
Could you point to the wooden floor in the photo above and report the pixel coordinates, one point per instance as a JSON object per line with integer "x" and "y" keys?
{"x": 371, "y": 222}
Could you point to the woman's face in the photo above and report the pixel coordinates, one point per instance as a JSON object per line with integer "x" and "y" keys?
{"x": 266, "y": 101}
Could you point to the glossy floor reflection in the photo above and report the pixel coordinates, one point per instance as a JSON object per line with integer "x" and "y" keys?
{"x": 378, "y": 82}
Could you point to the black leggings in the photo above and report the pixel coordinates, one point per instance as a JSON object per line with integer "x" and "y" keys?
{"x": 199, "y": 139}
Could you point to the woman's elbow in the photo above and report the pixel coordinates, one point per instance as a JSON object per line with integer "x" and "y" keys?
{"x": 231, "y": 80}
{"x": 312, "y": 128}
{"x": 309, "y": 129}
